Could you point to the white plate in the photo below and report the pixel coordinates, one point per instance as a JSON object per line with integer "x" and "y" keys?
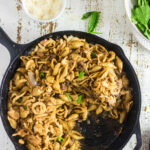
{"x": 138, "y": 35}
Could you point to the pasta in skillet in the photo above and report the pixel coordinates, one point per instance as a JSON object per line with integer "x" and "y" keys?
{"x": 59, "y": 84}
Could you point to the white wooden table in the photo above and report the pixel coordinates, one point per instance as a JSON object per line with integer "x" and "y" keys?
{"x": 115, "y": 28}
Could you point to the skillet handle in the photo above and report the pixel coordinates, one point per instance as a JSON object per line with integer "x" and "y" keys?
{"x": 13, "y": 48}
{"x": 138, "y": 137}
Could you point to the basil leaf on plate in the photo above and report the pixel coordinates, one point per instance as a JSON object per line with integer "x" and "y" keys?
{"x": 141, "y": 17}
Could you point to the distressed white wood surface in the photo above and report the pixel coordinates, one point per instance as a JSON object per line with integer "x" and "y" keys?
{"x": 115, "y": 28}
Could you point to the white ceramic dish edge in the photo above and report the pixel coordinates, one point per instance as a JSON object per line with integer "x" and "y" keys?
{"x": 44, "y": 21}
{"x": 138, "y": 35}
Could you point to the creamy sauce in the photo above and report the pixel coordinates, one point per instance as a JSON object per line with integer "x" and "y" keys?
{"x": 43, "y": 9}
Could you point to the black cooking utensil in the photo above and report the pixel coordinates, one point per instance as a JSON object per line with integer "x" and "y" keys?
{"x": 107, "y": 137}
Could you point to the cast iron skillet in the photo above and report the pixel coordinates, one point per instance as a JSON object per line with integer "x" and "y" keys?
{"x": 108, "y": 128}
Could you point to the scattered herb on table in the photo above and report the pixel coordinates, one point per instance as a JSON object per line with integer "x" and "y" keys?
{"x": 69, "y": 97}
{"x": 93, "y": 22}
{"x": 81, "y": 74}
{"x": 141, "y": 17}
{"x": 42, "y": 75}
{"x": 80, "y": 99}
{"x": 60, "y": 139}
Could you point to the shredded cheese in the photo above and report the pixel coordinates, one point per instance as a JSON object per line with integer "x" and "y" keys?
{"x": 44, "y": 9}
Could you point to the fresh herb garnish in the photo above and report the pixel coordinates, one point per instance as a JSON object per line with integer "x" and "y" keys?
{"x": 69, "y": 97}
{"x": 20, "y": 100}
{"x": 80, "y": 99}
{"x": 42, "y": 75}
{"x": 86, "y": 15}
{"x": 25, "y": 107}
{"x": 143, "y": 2}
{"x": 81, "y": 74}
{"x": 93, "y": 22}
{"x": 93, "y": 55}
{"x": 60, "y": 139}
{"x": 118, "y": 99}
{"x": 141, "y": 17}
{"x": 96, "y": 32}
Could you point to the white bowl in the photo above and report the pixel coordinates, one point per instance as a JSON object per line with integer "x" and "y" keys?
{"x": 138, "y": 35}
{"x": 44, "y": 21}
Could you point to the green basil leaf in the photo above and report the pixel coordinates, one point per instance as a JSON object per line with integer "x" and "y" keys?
{"x": 69, "y": 97}
{"x": 42, "y": 75}
{"x": 147, "y": 33}
{"x": 141, "y": 27}
{"x": 140, "y": 2}
{"x": 96, "y": 32}
{"x": 25, "y": 107}
{"x": 143, "y": 2}
{"x": 94, "y": 19}
{"x": 118, "y": 99}
{"x": 81, "y": 74}
{"x": 60, "y": 139}
{"x": 20, "y": 100}
{"x": 133, "y": 18}
{"x": 86, "y": 15}
{"x": 141, "y": 17}
{"x": 93, "y": 55}
{"x": 80, "y": 99}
